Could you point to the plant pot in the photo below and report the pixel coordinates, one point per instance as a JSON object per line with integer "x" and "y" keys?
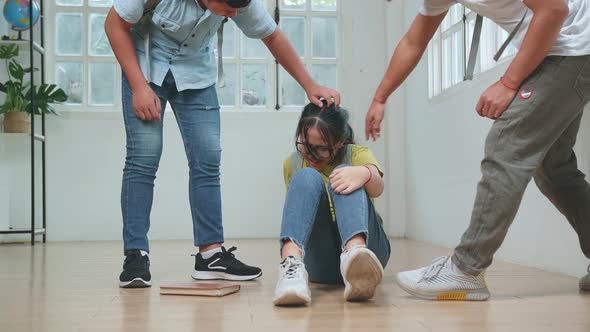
{"x": 17, "y": 122}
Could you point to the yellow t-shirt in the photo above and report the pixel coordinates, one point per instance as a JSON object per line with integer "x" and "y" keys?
{"x": 361, "y": 155}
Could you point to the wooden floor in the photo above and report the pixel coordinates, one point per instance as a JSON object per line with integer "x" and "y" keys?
{"x": 73, "y": 287}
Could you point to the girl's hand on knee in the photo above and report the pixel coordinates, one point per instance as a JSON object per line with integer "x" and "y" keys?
{"x": 345, "y": 180}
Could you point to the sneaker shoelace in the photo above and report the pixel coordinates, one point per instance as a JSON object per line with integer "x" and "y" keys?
{"x": 434, "y": 269}
{"x": 227, "y": 254}
{"x": 294, "y": 270}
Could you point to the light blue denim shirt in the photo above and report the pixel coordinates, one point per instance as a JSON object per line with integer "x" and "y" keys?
{"x": 181, "y": 38}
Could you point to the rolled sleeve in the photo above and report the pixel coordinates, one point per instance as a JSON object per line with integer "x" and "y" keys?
{"x": 254, "y": 21}
{"x": 435, "y": 7}
{"x": 129, "y": 10}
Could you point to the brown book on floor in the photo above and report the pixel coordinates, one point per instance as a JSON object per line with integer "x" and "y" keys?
{"x": 199, "y": 288}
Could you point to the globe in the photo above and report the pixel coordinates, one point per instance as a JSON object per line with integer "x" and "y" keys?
{"x": 16, "y": 12}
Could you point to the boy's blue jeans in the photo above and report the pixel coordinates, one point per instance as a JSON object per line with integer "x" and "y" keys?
{"x": 197, "y": 115}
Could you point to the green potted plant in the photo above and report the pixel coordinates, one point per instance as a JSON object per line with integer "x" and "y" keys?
{"x": 17, "y": 106}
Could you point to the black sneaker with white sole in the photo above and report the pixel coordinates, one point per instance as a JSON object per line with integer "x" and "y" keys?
{"x": 136, "y": 271}
{"x": 224, "y": 265}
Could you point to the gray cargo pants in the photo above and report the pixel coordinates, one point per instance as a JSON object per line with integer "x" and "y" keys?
{"x": 534, "y": 138}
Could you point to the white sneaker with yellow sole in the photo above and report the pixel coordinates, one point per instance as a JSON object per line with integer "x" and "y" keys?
{"x": 442, "y": 280}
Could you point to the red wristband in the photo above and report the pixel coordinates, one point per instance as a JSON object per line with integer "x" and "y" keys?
{"x": 370, "y": 175}
{"x": 507, "y": 85}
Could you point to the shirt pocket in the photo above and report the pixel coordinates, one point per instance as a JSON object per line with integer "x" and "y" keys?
{"x": 165, "y": 23}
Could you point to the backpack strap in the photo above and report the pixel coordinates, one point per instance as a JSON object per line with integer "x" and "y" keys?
{"x": 476, "y": 40}
{"x": 295, "y": 163}
{"x": 347, "y": 159}
{"x": 474, "y": 48}
{"x": 510, "y": 36}
{"x": 220, "y": 72}
{"x": 150, "y": 5}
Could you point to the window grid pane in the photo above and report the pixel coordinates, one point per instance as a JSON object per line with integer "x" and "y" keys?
{"x": 98, "y": 43}
{"x": 457, "y": 54}
{"x": 253, "y": 48}
{"x": 446, "y": 63}
{"x": 325, "y": 75}
{"x": 326, "y": 5}
{"x": 68, "y": 33}
{"x": 323, "y": 30}
{"x": 292, "y": 94}
{"x": 292, "y": 4}
{"x": 68, "y": 76}
{"x": 227, "y": 94}
{"x": 430, "y": 72}
{"x": 254, "y": 78}
{"x": 294, "y": 28}
{"x": 101, "y": 88}
{"x": 437, "y": 85}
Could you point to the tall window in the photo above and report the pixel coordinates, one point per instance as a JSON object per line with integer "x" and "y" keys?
{"x": 448, "y": 51}
{"x": 312, "y": 26}
{"x": 83, "y": 64}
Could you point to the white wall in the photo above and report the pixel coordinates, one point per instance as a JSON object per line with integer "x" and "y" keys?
{"x": 394, "y": 129}
{"x": 444, "y": 146}
{"x": 86, "y": 153}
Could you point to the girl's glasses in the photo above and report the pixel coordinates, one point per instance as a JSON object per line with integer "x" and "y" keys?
{"x": 317, "y": 152}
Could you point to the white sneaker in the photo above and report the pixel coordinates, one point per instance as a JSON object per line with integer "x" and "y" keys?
{"x": 362, "y": 272}
{"x": 585, "y": 281}
{"x": 292, "y": 287}
{"x": 442, "y": 280}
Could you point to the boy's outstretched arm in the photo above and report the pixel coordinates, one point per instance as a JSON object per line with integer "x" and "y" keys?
{"x": 406, "y": 56}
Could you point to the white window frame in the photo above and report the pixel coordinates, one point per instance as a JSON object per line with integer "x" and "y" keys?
{"x": 308, "y": 60}
{"x": 239, "y": 61}
{"x": 52, "y": 58}
{"x": 445, "y": 73}
{"x": 271, "y": 99}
